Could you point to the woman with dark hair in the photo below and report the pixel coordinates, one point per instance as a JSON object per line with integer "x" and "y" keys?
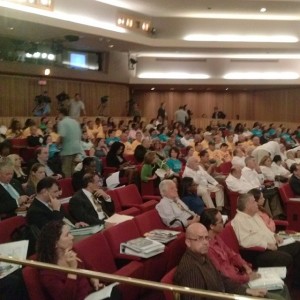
{"x": 54, "y": 246}
{"x": 15, "y": 130}
{"x": 278, "y": 168}
{"x": 225, "y": 260}
{"x": 115, "y": 159}
{"x": 173, "y": 162}
{"x": 188, "y": 194}
{"x": 263, "y": 208}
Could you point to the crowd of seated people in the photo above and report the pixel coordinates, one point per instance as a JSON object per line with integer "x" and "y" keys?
{"x": 191, "y": 156}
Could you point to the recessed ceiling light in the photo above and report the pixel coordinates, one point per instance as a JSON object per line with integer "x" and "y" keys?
{"x": 263, "y": 9}
{"x": 111, "y": 46}
{"x": 226, "y": 89}
{"x": 47, "y": 72}
{"x": 152, "y": 89}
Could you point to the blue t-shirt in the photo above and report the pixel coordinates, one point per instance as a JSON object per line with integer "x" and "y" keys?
{"x": 174, "y": 164}
{"x": 194, "y": 203}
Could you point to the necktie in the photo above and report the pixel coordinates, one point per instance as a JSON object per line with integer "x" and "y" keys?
{"x": 12, "y": 192}
{"x": 99, "y": 207}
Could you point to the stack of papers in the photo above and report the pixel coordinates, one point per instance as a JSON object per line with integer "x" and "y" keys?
{"x": 86, "y": 230}
{"x": 142, "y": 247}
{"x": 16, "y": 250}
{"x": 117, "y": 219}
{"x": 162, "y": 235}
{"x": 280, "y": 271}
{"x": 268, "y": 281}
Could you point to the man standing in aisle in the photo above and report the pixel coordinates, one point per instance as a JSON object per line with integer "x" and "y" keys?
{"x": 70, "y": 137}
{"x": 76, "y": 106}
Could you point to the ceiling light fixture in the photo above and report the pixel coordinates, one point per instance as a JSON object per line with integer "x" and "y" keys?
{"x": 263, "y": 9}
{"x": 241, "y": 38}
{"x": 262, "y": 75}
{"x": 172, "y": 75}
{"x": 152, "y": 89}
{"x": 265, "y": 56}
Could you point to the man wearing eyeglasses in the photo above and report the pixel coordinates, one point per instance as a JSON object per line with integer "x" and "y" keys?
{"x": 195, "y": 270}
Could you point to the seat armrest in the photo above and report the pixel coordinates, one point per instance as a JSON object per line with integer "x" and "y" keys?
{"x": 257, "y": 249}
{"x": 151, "y": 197}
{"x": 130, "y": 269}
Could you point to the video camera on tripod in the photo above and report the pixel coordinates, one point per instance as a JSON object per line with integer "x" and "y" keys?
{"x": 42, "y": 107}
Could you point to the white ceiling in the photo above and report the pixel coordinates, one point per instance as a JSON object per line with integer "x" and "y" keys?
{"x": 173, "y": 19}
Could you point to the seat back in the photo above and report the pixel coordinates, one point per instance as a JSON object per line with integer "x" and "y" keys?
{"x": 115, "y": 199}
{"x": 18, "y": 142}
{"x": 120, "y": 233}
{"x": 168, "y": 279}
{"x": 96, "y": 253}
{"x": 129, "y": 194}
{"x": 148, "y": 221}
{"x": 229, "y": 238}
{"x": 232, "y": 198}
{"x": 225, "y": 167}
{"x": 286, "y": 192}
{"x": 33, "y": 285}
{"x": 66, "y": 187}
{"x": 8, "y": 226}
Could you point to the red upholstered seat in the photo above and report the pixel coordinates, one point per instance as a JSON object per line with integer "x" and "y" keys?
{"x": 225, "y": 167}
{"x": 66, "y": 187}
{"x": 232, "y": 198}
{"x": 292, "y": 208}
{"x": 168, "y": 279}
{"x": 151, "y": 220}
{"x": 132, "y": 211}
{"x": 229, "y": 237}
{"x": 154, "y": 266}
{"x": 97, "y": 254}
{"x": 8, "y": 226}
{"x": 129, "y": 196}
{"x": 33, "y": 285}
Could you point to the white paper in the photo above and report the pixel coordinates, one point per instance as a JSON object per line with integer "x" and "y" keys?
{"x": 16, "y": 250}
{"x": 287, "y": 241}
{"x": 113, "y": 180}
{"x": 280, "y": 271}
{"x": 270, "y": 281}
{"x": 101, "y": 294}
{"x": 116, "y": 218}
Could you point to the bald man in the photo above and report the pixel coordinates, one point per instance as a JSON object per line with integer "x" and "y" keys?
{"x": 195, "y": 270}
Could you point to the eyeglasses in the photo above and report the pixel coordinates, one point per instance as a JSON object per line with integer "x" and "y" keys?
{"x": 199, "y": 238}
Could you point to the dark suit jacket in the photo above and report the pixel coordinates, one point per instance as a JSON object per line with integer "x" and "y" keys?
{"x": 39, "y": 214}
{"x": 295, "y": 185}
{"x": 8, "y": 204}
{"x": 82, "y": 210}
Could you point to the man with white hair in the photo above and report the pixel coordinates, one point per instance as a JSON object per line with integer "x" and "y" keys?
{"x": 206, "y": 183}
{"x": 171, "y": 209}
{"x": 235, "y": 182}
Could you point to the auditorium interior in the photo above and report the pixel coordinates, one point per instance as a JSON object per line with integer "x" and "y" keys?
{"x": 127, "y": 58}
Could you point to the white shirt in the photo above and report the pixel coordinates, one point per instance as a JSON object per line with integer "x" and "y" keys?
{"x": 251, "y": 231}
{"x": 280, "y": 170}
{"x": 169, "y": 210}
{"x": 237, "y": 185}
{"x": 268, "y": 173}
{"x": 200, "y": 177}
{"x": 89, "y": 195}
{"x": 186, "y": 142}
{"x": 252, "y": 177}
{"x": 272, "y": 147}
{"x": 75, "y": 108}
